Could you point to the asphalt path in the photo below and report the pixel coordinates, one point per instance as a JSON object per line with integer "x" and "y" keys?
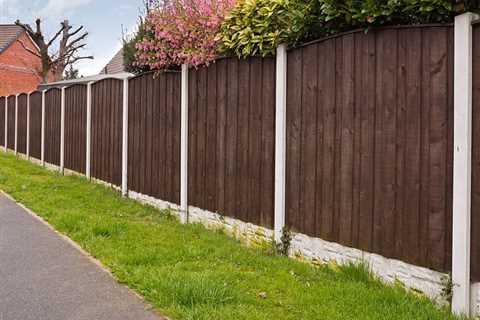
{"x": 43, "y": 276}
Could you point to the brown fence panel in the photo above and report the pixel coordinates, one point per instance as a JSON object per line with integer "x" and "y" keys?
{"x": 35, "y": 142}
{"x": 369, "y": 142}
{"x": 154, "y": 136}
{"x": 107, "y": 131}
{"x": 231, "y": 138}
{"x": 76, "y": 128}
{"x": 22, "y": 124}
{"x": 53, "y": 108}
{"x": 475, "y": 244}
{"x": 2, "y": 121}
{"x": 11, "y": 123}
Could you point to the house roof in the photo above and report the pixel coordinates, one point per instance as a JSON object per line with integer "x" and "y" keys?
{"x": 115, "y": 65}
{"x": 8, "y": 34}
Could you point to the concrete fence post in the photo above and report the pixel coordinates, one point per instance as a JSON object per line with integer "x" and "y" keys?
{"x": 280, "y": 140}
{"x": 6, "y": 123}
{"x": 462, "y": 163}
{"x": 125, "y": 139}
{"x": 42, "y": 158}
{"x": 62, "y": 132}
{"x": 28, "y": 126}
{"x": 184, "y": 147}
{"x": 89, "y": 131}
{"x": 16, "y": 125}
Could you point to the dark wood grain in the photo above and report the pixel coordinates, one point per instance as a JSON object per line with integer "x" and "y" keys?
{"x": 369, "y": 142}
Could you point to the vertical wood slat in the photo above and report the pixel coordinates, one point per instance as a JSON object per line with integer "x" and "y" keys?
{"x": 11, "y": 122}
{"x": 231, "y": 132}
{"x": 367, "y": 146}
{"x": 52, "y": 126}
{"x": 106, "y": 141}
{"x": 475, "y": 204}
{"x": 2, "y": 121}
{"x": 75, "y": 128}
{"x": 35, "y": 130}
{"x": 154, "y": 136}
{"x": 22, "y": 124}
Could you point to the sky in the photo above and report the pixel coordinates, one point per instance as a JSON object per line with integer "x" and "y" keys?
{"x": 103, "y": 19}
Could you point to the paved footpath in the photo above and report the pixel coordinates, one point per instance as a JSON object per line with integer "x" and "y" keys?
{"x": 44, "y": 277}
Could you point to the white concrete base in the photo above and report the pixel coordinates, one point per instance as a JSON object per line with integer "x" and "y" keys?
{"x": 414, "y": 277}
{"x": 475, "y": 299}
{"x": 106, "y": 184}
{"x": 52, "y": 167}
{"x": 247, "y": 233}
{"x": 154, "y": 202}
{"x": 35, "y": 161}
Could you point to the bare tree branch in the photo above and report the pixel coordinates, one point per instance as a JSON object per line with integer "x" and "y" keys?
{"x": 76, "y": 31}
{"x": 72, "y": 61}
{"x": 54, "y": 64}
{"x": 28, "y": 49}
{"x": 59, "y": 32}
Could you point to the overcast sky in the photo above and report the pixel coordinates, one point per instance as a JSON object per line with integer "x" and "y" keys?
{"x": 103, "y": 19}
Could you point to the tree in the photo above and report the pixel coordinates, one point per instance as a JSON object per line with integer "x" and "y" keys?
{"x": 55, "y": 59}
{"x": 130, "y": 41}
{"x": 71, "y": 73}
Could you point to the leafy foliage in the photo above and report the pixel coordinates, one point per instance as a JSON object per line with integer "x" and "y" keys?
{"x": 130, "y": 41}
{"x": 257, "y": 27}
{"x": 182, "y": 31}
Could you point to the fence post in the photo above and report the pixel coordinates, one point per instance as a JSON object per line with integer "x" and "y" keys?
{"x": 62, "y": 133}
{"x": 16, "y": 124}
{"x": 125, "y": 139}
{"x": 42, "y": 158}
{"x": 184, "y": 147}
{"x": 28, "y": 125}
{"x": 462, "y": 163}
{"x": 89, "y": 129}
{"x": 6, "y": 123}
{"x": 280, "y": 140}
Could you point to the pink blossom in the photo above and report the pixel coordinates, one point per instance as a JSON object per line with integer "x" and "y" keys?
{"x": 182, "y": 31}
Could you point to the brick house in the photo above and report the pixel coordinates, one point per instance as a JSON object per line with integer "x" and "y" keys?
{"x": 19, "y": 69}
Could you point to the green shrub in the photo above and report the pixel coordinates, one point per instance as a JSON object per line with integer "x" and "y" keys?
{"x": 257, "y": 27}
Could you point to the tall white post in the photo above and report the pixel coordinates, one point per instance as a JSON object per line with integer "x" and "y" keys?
{"x": 462, "y": 164}
{"x": 43, "y": 129}
{"x": 184, "y": 147}
{"x": 89, "y": 131}
{"x": 280, "y": 140}
{"x": 28, "y": 126}
{"x": 125, "y": 139}
{"x": 62, "y": 133}
{"x": 6, "y": 123}
{"x": 16, "y": 124}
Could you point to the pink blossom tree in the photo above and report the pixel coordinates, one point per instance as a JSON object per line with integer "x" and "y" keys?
{"x": 182, "y": 31}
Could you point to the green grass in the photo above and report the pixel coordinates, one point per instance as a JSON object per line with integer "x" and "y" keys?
{"x": 188, "y": 272}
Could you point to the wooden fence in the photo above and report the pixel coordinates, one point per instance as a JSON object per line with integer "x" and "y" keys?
{"x": 22, "y": 123}
{"x": 2, "y": 121}
{"x": 154, "y": 136}
{"x": 231, "y": 137}
{"x": 475, "y": 248}
{"x": 11, "y": 119}
{"x": 52, "y": 126}
{"x": 35, "y": 130}
{"x": 369, "y": 148}
{"x": 369, "y": 160}
{"x": 107, "y": 130}
{"x": 76, "y": 128}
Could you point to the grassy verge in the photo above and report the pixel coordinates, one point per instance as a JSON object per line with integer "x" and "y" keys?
{"x": 188, "y": 272}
